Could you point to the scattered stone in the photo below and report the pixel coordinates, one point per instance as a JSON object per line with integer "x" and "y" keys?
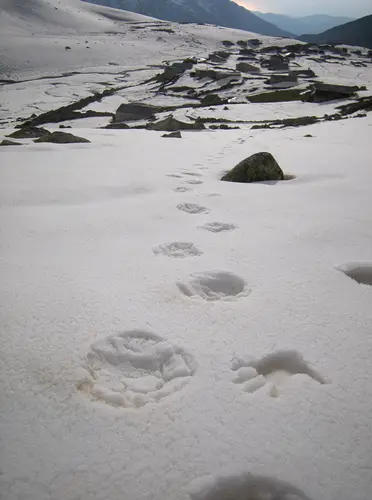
{"x": 61, "y": 138}
{"x": 29, "y": 133}
{"x": 220, "y": 56}
{"x": 6, "y": 142}
{"x": 171, "y": 124}
{"x": 226, "y": 108}
{"x": 247, "y": 68}
{"x": 227, "y": 43}
{"x": 67, "y": 47}
{"x": 301, "y": 121}
{"x": 135, "y": 111}
{"x": 242, "y": 43}
{"x": 173, "y": 135}
{"x": 174, "y": 71}
{"x": 254, "y": 42}
{"x": 247, "y": 53}
{"x": 65, "y": 126}
{"x": 223, "y": 126}
{"x": 308, "y": 135}
{"x": 256, "y": 168}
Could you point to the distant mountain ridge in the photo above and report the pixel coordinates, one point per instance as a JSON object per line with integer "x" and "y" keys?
{"x": 220, "y": 12}
{"x": 313, "y": 24}
{"x": 357, "y": 32}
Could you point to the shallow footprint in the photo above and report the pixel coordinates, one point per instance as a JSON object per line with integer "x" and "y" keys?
{"x": 181, "y": 189}
{"x": 214, "y": 285}
{"x": 217, "y": 227}
{"x": 361, "y": 272}
{"x": 177, "y": 249}
{"x": 194, "y": 181}
{"x": 243, "y": 486}
{"x": 136, "y": 367}
{"x": 273, "y": 370}
{"x": 192, "y": 208}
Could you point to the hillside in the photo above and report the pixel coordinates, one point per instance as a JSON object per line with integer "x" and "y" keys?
{"x": 220, "y": 12}
{"x": 313, "y": 24}
{"x": 357, "y": 32}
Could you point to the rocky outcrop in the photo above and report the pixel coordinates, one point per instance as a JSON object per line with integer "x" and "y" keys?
{"x": 322, "y": 92}
{"x": 278, "y": 96}
{"x": 29, "y": 133}
{"x": 256, "y": 168}
{"x": 6, "y": 142}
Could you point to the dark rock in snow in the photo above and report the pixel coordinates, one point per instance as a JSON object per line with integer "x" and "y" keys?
{"x": 135, "y": 111}
{"x": 5, "y": 142}
{"x": 213, "y": 74}
{"x": 171, "y": 124}
{"x": 118, "y": 126}
{"x": 227, "y": 43}
{"x": 256, "y": 168}
{"x": 220, "y": 56}
{"x": 247, "y": 68}
{"x": 29, "y": 133}
{"x": 212, "y": 100}
{"x": 322, "y": 92}
{"x": 305, "y": 73}
{"x": 364, "y": 103}
{"x": 276, "y": 63}
{"x": 61, "y": 138}
{"x": 280, "y": 78}
{"x": 67, "y": 47}
{"x": 278, "y": 96}
{"x": 173, "y": 135}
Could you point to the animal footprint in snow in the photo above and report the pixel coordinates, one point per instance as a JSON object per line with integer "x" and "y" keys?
{"x": 217, "y": 227}
{"x": 192, "y": 208}
{"x": 193, "y": 174}
{"x": 177, "y": 249}
{"x": 194, "y": 181}
{"x": 214, "y": 285}
{"x": 274, "y": 369}
{"x": 134, "y": 368}
{"x": 361, "y": 272}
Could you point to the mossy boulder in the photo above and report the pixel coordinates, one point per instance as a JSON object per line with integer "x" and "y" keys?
{"x": 61, "y": 138}
{"x": 171, "y": 124}
{"x": 29, "y": 132}
{"x": 5, "y": 142}
{"x": 256, "y": 168}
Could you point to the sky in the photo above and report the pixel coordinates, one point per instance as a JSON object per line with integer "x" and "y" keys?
{"x": 355, "y": 9}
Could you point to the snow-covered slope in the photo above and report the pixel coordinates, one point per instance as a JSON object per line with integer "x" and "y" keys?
{"x": 34, "y": 36}
{"x": 165, "y": 335}
{"x": 219, "y": 12}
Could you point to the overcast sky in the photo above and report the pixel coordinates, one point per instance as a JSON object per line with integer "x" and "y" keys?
{"x": 351, "y": 8}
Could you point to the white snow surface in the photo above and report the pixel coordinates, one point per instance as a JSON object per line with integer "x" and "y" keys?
{"x": 166, "y": 335}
